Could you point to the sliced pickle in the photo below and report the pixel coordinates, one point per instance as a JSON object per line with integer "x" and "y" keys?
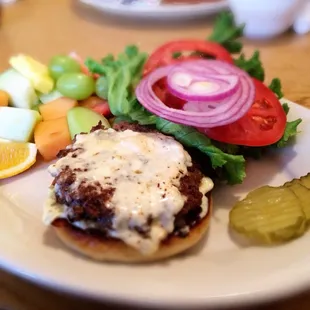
{"x": 269, "y": 215}
{"x": 305, "y": 181}
{"x": 303, "y": 194}
{"x": 294, "y": 181}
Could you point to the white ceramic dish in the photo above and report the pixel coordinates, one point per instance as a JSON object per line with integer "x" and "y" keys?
{"x": 7, "y": 1}
{"x": 218, "y": 272}
{"x": 147, "y": 9}
{"x": 265, "y": 18}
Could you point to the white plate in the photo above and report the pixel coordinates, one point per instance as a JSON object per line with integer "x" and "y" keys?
{"x": 217, "y": 272}
{"x": 153, "y": 9}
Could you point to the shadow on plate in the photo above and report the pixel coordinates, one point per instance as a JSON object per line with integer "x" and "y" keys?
{"x": 100, "y": 18}
{"x": 243, "y": 242}
{"x": 51, "y": 240}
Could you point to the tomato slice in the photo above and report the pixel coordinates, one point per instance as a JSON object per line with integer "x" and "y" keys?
{"x": 264, "y": 123}
{"x": 164, "y": 55}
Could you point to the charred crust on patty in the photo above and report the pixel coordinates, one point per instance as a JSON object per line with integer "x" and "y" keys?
{"x": 101, "y": 235}
{"x": 88, "y": 201}
{"x": 190, "y": 213}
{"x": 122, "y": 126}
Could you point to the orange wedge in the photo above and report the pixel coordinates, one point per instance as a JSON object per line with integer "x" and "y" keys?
{"x": 16, "y": 157}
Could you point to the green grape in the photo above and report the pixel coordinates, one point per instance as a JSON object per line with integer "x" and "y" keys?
{"x": 77, "y": 86}
{"x": 62, "y": 64}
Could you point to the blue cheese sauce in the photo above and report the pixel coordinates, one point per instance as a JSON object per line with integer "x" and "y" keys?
{"x": 144, "y": 168}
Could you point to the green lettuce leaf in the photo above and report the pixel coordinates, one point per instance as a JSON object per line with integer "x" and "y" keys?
{"x": 290, "y": 132}
{"x": 253, "y": 66}
{"x": 233, "y": 165}
{"x": 139, "y": 114}
{"x": 286, "y": 108}
{"x": 122, "y": 74}
{"x": 291, "y": 129}
{"x": 227, "y": 33}
{"x": 276, "y": 87}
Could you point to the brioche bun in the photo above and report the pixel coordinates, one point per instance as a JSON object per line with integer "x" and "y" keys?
{"x": 113, "y": 250}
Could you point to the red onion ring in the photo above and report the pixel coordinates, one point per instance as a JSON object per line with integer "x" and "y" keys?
{"x": 227, "y": 85}
{"x": 200, "y": 114}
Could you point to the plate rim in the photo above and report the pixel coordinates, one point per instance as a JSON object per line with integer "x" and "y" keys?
{"x": 189, "y": 10}
{"x": 250, "y": 298}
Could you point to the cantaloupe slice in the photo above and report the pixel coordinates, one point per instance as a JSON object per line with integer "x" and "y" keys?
{"x": 57, "y": 108}
{"x": 52, "y": 136}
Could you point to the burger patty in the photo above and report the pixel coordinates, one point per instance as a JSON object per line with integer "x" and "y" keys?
{"x": 89, "y": 201}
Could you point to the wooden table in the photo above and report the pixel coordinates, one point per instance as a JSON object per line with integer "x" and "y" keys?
{"x": 44, "y": 28}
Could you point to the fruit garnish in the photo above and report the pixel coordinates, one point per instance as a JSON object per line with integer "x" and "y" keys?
{"x": 33, "y": 70}
{"x": 82, "y": 119}
{"x": 4, "y": 98}
{"x": 57, "y": 108}
{"x": 16, "y": 157}
{"x": 20, "y": 90}
{"x": 62, "y": 64}
{"x": 18, "y": 124}
{"x": 77, "y": 86}
{"x": 53, "y": 95}
{"x": 52, "y": 136}
{"x": 96, "y": 104}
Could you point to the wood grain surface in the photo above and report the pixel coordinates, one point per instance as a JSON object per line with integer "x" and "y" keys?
{"x": 44, "y": 28}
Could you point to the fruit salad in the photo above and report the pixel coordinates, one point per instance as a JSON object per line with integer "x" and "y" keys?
{"x": 42, "y": 107}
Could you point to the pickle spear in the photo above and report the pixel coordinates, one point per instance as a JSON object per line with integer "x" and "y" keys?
{"x": 269, "y": 215}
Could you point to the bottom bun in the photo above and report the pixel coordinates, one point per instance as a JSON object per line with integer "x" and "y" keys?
{"x": 113, "y": 250}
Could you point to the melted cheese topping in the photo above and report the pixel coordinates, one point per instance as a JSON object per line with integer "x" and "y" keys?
{"x": 145, "y": 170}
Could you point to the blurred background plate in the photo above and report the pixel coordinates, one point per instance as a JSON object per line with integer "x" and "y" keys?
{"x": 158, "y": 9}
